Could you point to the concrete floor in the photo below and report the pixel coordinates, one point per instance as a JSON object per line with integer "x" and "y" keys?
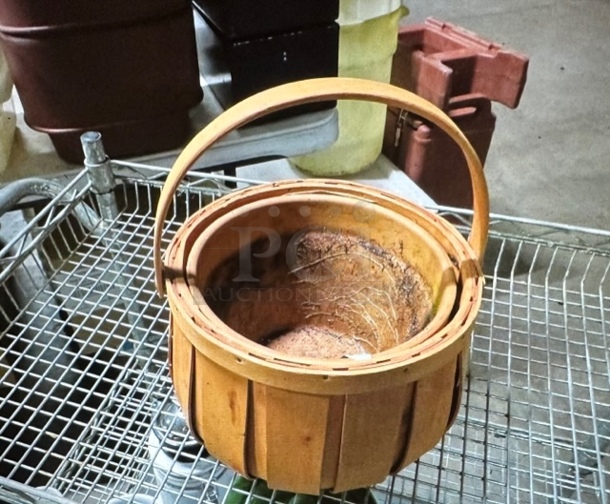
{"x": 550, "y": 158}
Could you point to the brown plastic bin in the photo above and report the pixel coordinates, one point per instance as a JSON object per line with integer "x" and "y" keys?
{"x": 127, "y": 69}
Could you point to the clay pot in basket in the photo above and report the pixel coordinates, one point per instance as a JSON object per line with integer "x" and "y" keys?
{"x": 319, "y": 328}
{"x": 320, "y": 274}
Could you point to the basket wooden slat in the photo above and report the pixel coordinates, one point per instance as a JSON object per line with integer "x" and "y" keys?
{"x": 256, "y": 446}
{"x": 368, "y": 418}
{"x": 430, "y": 411}
{"x": 296, "y": 439}
{"x": 220, "y": 400}
{"x": 182, "y": 365}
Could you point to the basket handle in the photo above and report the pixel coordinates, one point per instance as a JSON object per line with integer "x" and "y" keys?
{"x": 315, "y": 90}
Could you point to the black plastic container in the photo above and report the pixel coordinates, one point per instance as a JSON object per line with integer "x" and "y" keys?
{"x": 245, "y": 19}
{"x": 126, "y": 69}
{"x": 236, "y": 69}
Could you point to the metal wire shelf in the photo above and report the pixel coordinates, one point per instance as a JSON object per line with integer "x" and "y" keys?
{"x": 84, "y": 378}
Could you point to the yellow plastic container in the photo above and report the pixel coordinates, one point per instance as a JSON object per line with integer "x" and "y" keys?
{"x": 365, "y": 51}
{"x": 358, "y": 11}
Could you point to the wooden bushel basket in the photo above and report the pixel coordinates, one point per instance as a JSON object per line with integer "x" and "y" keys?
{"x": 303, "y": 423}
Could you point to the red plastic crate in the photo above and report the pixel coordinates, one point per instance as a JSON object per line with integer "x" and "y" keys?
{"x": 440, "y": 60}
{"x": 430, "y": 158}
{"x": 461, "y": 73}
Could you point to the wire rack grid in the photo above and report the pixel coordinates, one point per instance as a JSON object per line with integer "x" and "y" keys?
{"x": 84, "y": 380}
